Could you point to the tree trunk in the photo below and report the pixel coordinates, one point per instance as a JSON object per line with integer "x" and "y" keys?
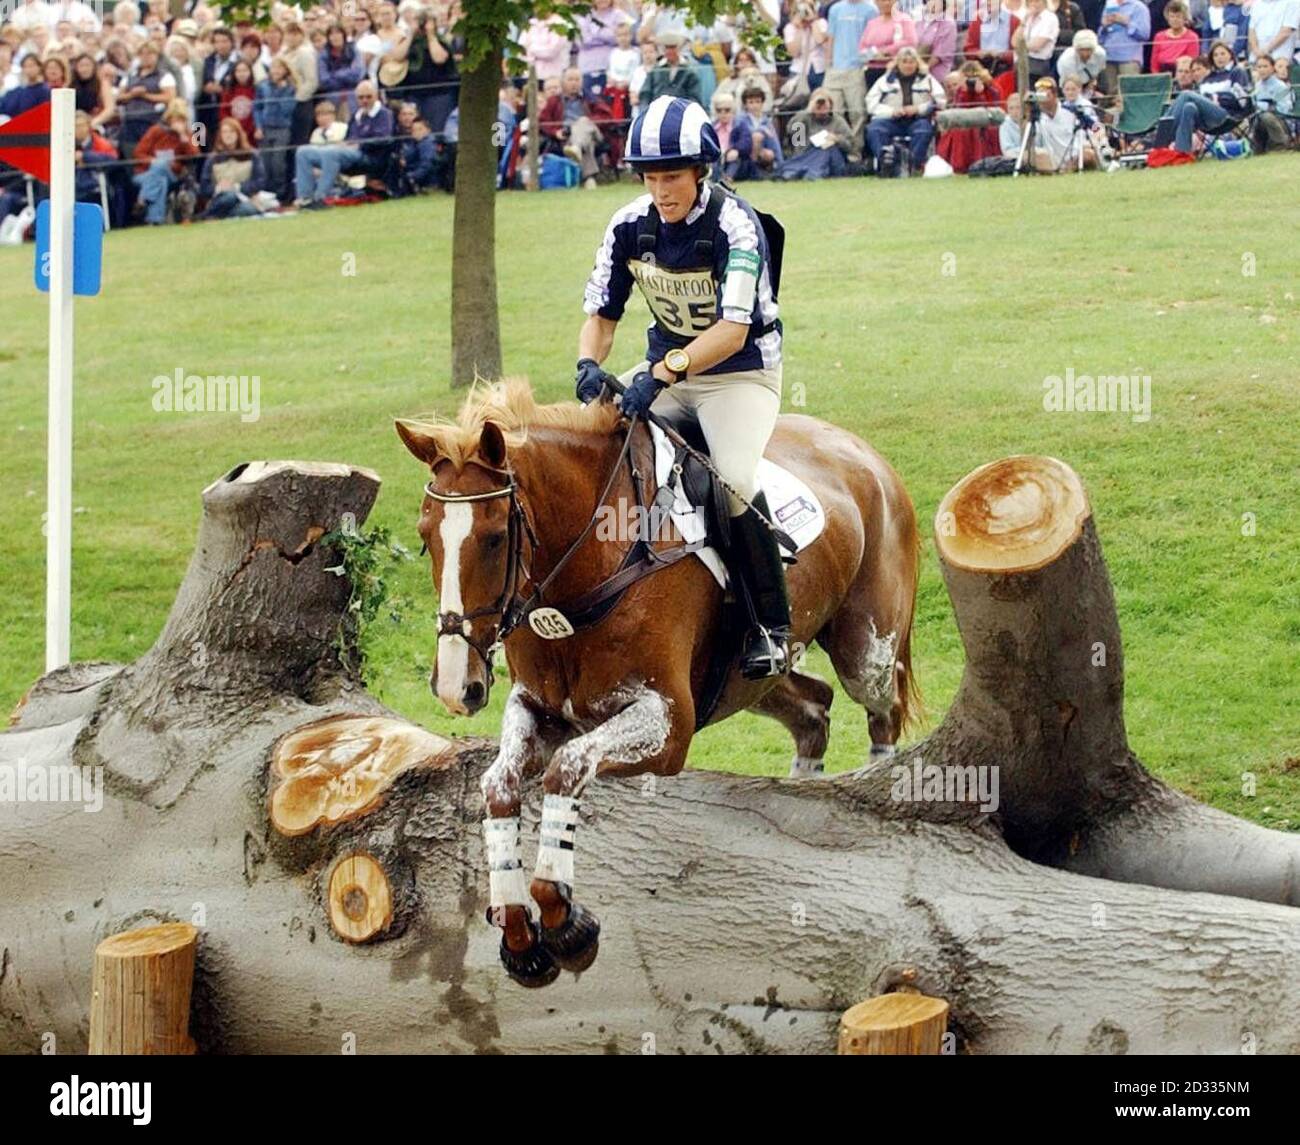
{"x": 475, "y": 323}
{"x": 331, "y": 852}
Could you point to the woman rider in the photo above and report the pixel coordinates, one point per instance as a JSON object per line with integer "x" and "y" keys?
{"x": 701, "y": 259}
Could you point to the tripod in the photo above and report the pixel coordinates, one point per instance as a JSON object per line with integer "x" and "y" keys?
{"x": 1027, "y": 142}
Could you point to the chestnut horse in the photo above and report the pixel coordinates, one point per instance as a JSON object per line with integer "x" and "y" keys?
{"x": 514, "y": 486}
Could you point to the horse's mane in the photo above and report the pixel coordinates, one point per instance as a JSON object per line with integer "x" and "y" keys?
{"x": 510, "y": 403}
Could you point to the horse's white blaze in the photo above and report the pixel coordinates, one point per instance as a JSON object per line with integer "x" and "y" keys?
{"x": 453, "y": 651}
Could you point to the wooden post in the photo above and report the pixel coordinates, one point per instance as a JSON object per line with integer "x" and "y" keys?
{"x": 534, "y": 133}
{"x": 141, "y": 991}
{"x": 1022, "y": 68}
{"x": 902, "y": 1023}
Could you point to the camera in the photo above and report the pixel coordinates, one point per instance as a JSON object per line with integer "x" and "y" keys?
{"x": 1032, "y": 97}
{"x": 1082, "y": 114}
{"x": 971, "y": 83}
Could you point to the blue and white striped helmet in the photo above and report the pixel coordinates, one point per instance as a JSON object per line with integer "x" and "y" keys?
{"x": 672, "y": 132}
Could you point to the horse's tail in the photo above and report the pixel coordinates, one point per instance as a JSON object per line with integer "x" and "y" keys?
{"x": 911, "y": 704}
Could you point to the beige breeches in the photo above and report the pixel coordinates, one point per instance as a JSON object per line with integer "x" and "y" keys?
{"x": 736, "y": 413}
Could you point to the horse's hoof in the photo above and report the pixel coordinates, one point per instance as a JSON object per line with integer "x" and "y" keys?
{"x": 575, "y": 943}
{"x": 531, "y": 967}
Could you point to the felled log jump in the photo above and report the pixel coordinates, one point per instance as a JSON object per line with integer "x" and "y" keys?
{"x": 336, "y": 846}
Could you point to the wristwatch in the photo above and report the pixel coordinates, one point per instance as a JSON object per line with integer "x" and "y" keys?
{"x": 678, "y": 363}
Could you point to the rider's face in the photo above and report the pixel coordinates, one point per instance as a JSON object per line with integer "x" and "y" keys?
{"x": 673, "y": 192}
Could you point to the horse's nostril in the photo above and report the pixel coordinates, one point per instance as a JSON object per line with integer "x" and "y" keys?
{"x": 474, "y": 694}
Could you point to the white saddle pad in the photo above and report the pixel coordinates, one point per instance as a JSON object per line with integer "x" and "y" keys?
{"x": 795, "y": 507}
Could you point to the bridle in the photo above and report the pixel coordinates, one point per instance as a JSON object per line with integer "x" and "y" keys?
{"x": 517, "y": 527}
{"x": 509, "y": 604}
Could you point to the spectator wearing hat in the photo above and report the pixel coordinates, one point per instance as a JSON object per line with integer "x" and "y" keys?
{"x": 988, "y": 38}
{"x": 672, "y": 75}
{"x": 845, "y": 81}
{"x": 819, "y": 139}
{"x": 1176, "y": 40}
{"x": 901, "y": 104}
{"x": 1125, "y": 28}
{"x": 1085, "y": 58}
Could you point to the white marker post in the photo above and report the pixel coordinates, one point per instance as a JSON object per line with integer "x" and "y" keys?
{"x": 58, "y": 549}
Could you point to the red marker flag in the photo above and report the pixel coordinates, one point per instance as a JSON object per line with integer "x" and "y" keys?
{"x": 25, "y": 142}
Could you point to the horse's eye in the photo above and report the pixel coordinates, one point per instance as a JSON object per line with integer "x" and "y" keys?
{"x": 494, "y": 542}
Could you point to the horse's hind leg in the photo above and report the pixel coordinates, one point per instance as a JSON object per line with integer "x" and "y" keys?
{"x": 802, "y": 703}
{"x": 866, "y": 641}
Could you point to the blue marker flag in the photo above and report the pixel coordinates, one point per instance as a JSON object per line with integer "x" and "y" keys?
{"x": 87, "y": 247}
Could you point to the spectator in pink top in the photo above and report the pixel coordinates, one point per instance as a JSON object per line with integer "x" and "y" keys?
{"x": 882, "y": 38}
{"x": 1175, "y": 41}
{"x": 936, "y": 38}
{"x": 546, "y": 48}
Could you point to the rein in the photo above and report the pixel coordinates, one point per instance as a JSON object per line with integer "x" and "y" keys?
{"x": 546, "y": 621}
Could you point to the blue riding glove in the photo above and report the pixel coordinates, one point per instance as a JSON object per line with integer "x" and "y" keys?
{"x": 640, "y": 395}
{"x": 590, "y": 380}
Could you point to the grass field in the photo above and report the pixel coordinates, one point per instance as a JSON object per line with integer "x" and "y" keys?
{"x": 924, "y": 316}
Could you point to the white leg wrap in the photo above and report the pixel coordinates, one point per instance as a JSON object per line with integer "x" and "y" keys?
{"x": 555, "y": 852}
{"x": 505, "y": 862}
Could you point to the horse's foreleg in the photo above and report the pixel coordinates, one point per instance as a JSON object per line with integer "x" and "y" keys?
{"x": 802, "y": 703}
{"x": 525, "y": 747}
{"x": 651, "y": 733}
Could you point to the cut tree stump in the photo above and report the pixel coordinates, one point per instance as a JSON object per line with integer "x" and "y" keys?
{"x": 898, "y": 1023}
{"x": 360, "y": 898}
{"x": 1096, "y": 911}
{"x": 140, "y": 995}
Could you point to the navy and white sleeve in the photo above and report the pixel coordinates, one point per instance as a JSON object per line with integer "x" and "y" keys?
{"x": 611, "y": 282}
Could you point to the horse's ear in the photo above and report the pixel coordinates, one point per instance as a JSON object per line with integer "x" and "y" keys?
{"x": 420, "y": 442}
{"x": 492, "y": 445}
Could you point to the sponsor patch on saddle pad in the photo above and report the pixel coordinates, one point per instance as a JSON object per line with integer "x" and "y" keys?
{"x": 794, "y": 505}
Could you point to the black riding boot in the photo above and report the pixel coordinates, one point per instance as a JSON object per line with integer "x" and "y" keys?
{"x": 757, "y": 562}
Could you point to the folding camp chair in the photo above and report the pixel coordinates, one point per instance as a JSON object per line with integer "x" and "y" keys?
{"x": 1143, "y": 99}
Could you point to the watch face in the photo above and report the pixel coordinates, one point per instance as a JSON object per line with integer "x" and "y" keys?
{"x": 678, "y": 361}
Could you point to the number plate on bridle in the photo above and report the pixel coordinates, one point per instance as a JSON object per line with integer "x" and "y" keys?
{"x": 550, "y": 623}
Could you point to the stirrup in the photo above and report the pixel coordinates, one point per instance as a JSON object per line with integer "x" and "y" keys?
{"x": 766, "y": 653}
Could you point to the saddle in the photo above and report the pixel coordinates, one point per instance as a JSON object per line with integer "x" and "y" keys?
{"x": 702, "y": 488}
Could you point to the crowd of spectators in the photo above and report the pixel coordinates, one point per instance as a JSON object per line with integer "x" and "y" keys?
{"x": 182, "y": 113}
